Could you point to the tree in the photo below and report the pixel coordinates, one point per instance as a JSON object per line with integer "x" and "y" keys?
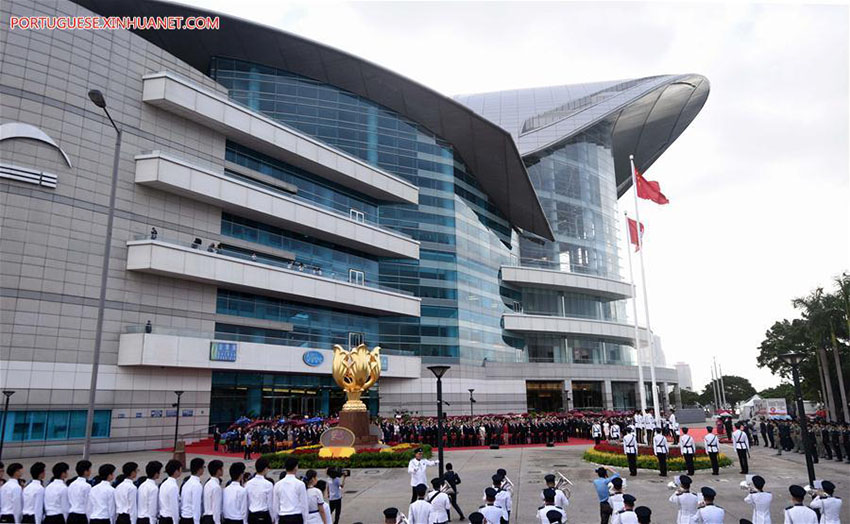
{"x": 738, "y": 389}
{"x": 690, "y": 398}
{"x": 783, "y": 390}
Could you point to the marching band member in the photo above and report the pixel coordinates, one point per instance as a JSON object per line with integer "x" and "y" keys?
{"x": 212, "y": 494}
{"x": 493, "y": 513}
{"x": 688, "y": 449}
{"x": 56, "y": 505}
{"x": 561, "y": 500}
{"x": 33, "y": 496}
{"x": 685, "y": 501}
{"x": 828, "y": 504}
{"x": 417, "y": 468}
{"x": 549, "y": 506}
{"x": 760, "y": 501}
{"x": 78, "y": 494}
{"x": 391, "y": 516}
{"x": 234, "y": 498}
{"x": 659, "y": 443}
{"x": 626, "y": 515}
{"x": 419, "y": 511}
{"x": 709, "y": 513}
{"x": 169, "y": 494}
{"x": 742, "y": 447}
{"x": 616, "y": 498}
{"x": 630, "y": 448}
{"x": 712, "y": 448}
{"x": 101, "y": 504}
{"x": 440, "y": 503}
{"x": 643, "y": 514}
{"x": 147, "y": 504}
{"x": 126, "y": 495}
{"x": 797, "y": 513}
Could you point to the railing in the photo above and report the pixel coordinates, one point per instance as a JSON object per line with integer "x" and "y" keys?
{"x": 299, "y": 264}
{"x": 538, "y": 263}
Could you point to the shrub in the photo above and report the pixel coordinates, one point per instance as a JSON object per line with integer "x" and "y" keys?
{"x": 650, "y": 461}
{"x": 366, "y": 458}
{"x": 645, "y": 450}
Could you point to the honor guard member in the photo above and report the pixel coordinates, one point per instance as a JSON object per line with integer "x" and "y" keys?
{"x": 212, "y": 494}
{"x": 828, "y": 505}
{"x": 614, "y": 431}
{"x": 797, "y": 513}
{"x": 417, "y": 469}
{"x": 616, "y": 498}
{"x": 688, "y": 449}
{"x": 742, "y": 447}
{"x": 674, "y": 426}
{"x": 440, "y": 503}
{"x": 391, "y": 516}
{"x": 289, "y": 500}
{"x": 638, "y": 426}
{"x": 420, "y": 511}
{"x": 686, "y": 502}
{"x": 712, "y": 447}
{"x": 493, "y": 513}
{"x": 659, "y": 444}
{"x": 56, "y": 506}
{"x": 648, "y": 427}
{"x": 259, "y": 491}
{"x": 555, "y": 517}
{"x": 32, "y": 509}
{"x": 78, "y": 494}
{"x": 760, "y": 501}
{"x": 596, "y": 432}
{"x": 550, "y": 506}
{"x": 102, "y": 497}
{"x": 234, "y": 498}
{"x": 192, "y": 494}
{"x": 626, "y": 515}
{"x": 148, "y": 495}
{"x": 709, "y": 513}
{"x": 561, "y": 500}
{"x": 474, "y": 518}
{"x": 169, "y": 494}
{"x": 11, "y": 495}
{"x": 126, "y": 495}
{"x": 644, "y": 514}
{"x": 630, "y": 448}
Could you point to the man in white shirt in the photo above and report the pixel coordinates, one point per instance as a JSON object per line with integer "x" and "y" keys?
{"x": 561, "y": 500}
{"x": 709, "y": 513}
{"x": 596, "y": 432}
{"x": 616, "y": 498}
{"x": 101, "y": 506}
{"x": 126, "y": 495}
{"x": 148, "y": 495}
{"x": 626, "y": 515}
{"x": 78, "y": 494}
{"x": 659, "y": 444}
{"x": 289, "y": 503}
{"x": 440, "y": 503}
{"x": 688, "y": 449}
{"x": 686, "y": 502}
{"x": 234, "y": 498}
{"x": 614, "y": 431}
{"x": 829, "y": 505}
{"x": 212, "y": 494}
{"x": 169, "y": 494}
{"x": 417, "y": 468}
{"x": 630, "y": 448}
{"x": 797, "y": 513}
{"x": 760, "y": 501}
{"x": 11, "y": 495}
{"x": 742, "y": 447}
{"x": 549, "y": 506}
{"x": 674, "y": 426}
{"x": 33, "y": 504}
{"x": 493, "y": 513}
{"x": 419, "y": 512}
{"x": 649, "y": 427}
{"x": 260, "y": 493}
{"x": 192, "y": 494}
{"x": 712, "y": 448}
{"x": 56, "y": 506}
{"x": 639, "y": 426}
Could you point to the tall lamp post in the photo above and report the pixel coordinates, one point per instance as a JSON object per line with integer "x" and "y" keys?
{"x": 97, "y": 97}
{"x": 7, "y": 393}
{"x": 177, "y": 419}
{"x": 438, "y": 372}
{"x": 471, "y": 402}
{"x": 794, "y": 360}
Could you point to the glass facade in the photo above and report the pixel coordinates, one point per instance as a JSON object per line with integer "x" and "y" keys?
{"x": 577, "y": 350}
{"x": 26, "y": 426}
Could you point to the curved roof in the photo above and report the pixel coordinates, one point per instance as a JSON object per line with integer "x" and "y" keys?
{"x": 648, "y": 114}
{"x": 484, "y": 147}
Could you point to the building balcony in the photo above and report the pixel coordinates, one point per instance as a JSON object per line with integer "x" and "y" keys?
{"x": 269, "y": 205}
{"x": 192, "y": 101}
{"x": 200, "y": 351}
{"x": 615, "y": 331}
{"x": 574, "y": 282}
{"x": 185, "y": 262}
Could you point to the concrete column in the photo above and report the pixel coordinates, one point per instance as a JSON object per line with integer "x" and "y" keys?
{"x": 568, "y": 394}
{"x": 664, "y": 396}
{"x": 678, "y": 393}
{"x": 607, "y": 395}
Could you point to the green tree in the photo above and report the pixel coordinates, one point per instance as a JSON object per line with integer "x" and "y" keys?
{"x": 738, "y": 389}
{"x": 784, "y": 390}
{"x": 690, "y": 398}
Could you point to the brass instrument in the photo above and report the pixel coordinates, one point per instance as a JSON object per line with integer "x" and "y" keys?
{"x": 675, "y": 484}
{"x": 401, "y": 519}
{"x": 747, "y": 484}
{"x": 356, "y": 371}
{"x": 447, "y": 489}
{"x": 815, "y": 490}
{"x": 563, "y": 484}
{"x": 507, "y": 485}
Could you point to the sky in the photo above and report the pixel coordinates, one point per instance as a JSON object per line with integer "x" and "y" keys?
{"x": 758, "y": 184}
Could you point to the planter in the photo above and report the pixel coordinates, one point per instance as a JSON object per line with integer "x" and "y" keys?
{"x": 647, "y": 461}
{"x": 308, "y": 458}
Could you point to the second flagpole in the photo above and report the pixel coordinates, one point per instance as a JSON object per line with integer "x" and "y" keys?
{"x": 642, "y": 389}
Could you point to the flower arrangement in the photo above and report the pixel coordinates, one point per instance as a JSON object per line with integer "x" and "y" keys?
{"x": 611, "y": 455}
{"x": 645, "y": 450}
{"x": 311, "y": 457}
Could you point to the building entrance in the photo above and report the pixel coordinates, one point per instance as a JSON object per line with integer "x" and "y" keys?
{"x": 544, "y": 397}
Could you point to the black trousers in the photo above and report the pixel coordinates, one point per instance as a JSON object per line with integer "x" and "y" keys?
{"x": 226, "y": 521}
{"x": 689, "y": 462}
{"x": 28, "y": 519}
{"x": 290, "y": 519}
{"x": 59, "y": 519}
{"x": 259, "y": 517}
{"x": 187, "y": 520}
{"x": 123, "y": 518}
{"x": 144, "y": 520}
{"x": 605, "y": 511}
{"x": 632, "y": 458}
{"x": 166, "y": 520}
{"x": 453, "y": 500}
{"x": 100, "y": 521}
{"x": 742, "y": 458}
{"x": 413, "y": 494}
{"x": 827, "y": 450}
{"x": 715, "y": 466}
{"x": 336, "y": 509}
{"x": 662, "y": 464}
{"x": 837, "y": 451}
{"x": 7, "y": 518}
{"x": 77, "y": 518}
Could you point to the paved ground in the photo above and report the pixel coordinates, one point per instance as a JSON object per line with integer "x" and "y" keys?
{"x": 368, "y": 492}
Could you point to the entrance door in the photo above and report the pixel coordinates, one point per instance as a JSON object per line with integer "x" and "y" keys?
{"x": 544, "y": 396}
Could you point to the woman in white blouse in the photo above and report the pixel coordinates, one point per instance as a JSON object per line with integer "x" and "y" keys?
{"x": 322, "y": 486}
{"x": 315, "y": 500}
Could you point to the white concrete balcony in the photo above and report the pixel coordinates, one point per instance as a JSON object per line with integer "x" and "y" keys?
{"x": 623, "y": 333}
{"x": 190, "y": 100}
{"x": 173, "y": 260}
{"x": 268, "y": 205}
{"x": 181, "y": 351}
{"x": 575, "y": 282}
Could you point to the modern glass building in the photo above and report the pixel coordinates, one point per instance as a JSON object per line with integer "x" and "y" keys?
{"x": 277, "y": 197}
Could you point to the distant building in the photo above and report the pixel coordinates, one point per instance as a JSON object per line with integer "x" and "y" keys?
{"x": 683, "y": 370}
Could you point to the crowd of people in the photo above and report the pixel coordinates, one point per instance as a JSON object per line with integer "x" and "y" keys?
{"x": 828, "y": 440}
{"x": 248, "y": 436}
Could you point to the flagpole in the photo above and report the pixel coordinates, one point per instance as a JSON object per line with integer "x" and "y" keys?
{"x": 645, "y": 297}
{"x": 722, "y": 385}
{"x": 642, "y": 388}
{"x": 714, "y": 389}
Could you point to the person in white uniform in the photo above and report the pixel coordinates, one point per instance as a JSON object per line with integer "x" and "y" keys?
{"x": 56, "y": 506}
{"x": 674, "y": 426}
{"x": 686, "y": 502}
{"x": 192, "y": 494}
{"x": 323, "y": 487}
{"x": 829, "y": 505}
{"x": 289, "y": 501}
{"x": 797, "y": 513}
{"x": 212, "y": 494}
{"x": 169, "y": 494}
{"x": 561, "y": 500}
{"x": 78, "y": 493}
{"x": 147, "y": 497}
{"x": 688, "y": 448}
{"x": 315, "y": 499}
{"x": 260, "y": 491}
{"x": 417, "y": 468}
{"x": 101, "y": 506}
{"x": 742, "y": 447}
{"x": 760, "y": 501}
{"x": 127, "y": 495}
{"x": 626, "y": 515}
{"x": 440, "y": 503}
{"x": 493, "y": 514}
{"x": 709, "y": 513}
{"x": 659, "y": 444}
{"x": 11, "y": 495}
{"x": 550, "y": 506}
{"x": 234, "y": 499}
{"x": 616, "y": 499}
{"x": 630, "y": 448}
{"x": 33, "y": 496}
{"x": 419, "y": 512}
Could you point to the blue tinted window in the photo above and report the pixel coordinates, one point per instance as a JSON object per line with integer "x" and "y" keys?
{"x": 24, "y": 426}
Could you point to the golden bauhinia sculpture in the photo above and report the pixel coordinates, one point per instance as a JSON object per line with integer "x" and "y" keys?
{"x": 356, "y": 371}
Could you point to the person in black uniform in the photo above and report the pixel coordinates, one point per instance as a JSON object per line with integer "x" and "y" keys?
{"x": 836, "y": 442}
{"x": 845, "y": 437}
{"x": 453, "y": 479}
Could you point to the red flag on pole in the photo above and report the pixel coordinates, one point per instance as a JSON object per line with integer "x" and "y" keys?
{"x": 649, "y": 190}
{"x": 633, "y": 234}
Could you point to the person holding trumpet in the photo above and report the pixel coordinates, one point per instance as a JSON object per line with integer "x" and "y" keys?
{"x": 827, "y": 503}
{"x": 548, "y": 507}
{"x": 686, "y": 502}
{"x": 439, "y": 500}
{"x": 561, "y": 498}
{"x": 708, "y": 512}
{"x": 759, "y": 499}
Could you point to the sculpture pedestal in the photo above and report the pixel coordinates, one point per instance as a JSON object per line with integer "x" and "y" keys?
{"x": 358, "y": 423}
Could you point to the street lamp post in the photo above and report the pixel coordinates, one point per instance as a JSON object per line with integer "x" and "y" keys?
{"x": 97, "y": 97}
{"x": 7, "y": 393}
{"x": 794, "y": 360}
{"x": 438, "y": 372}
{"x": 177, "y": 419}
{"x": 471, "y": 402}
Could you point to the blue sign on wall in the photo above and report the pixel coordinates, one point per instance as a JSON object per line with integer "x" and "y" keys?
{"x": 223, "y": 351}
{"x": 385, "y": 363}
{"x": 313, "y": 358}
